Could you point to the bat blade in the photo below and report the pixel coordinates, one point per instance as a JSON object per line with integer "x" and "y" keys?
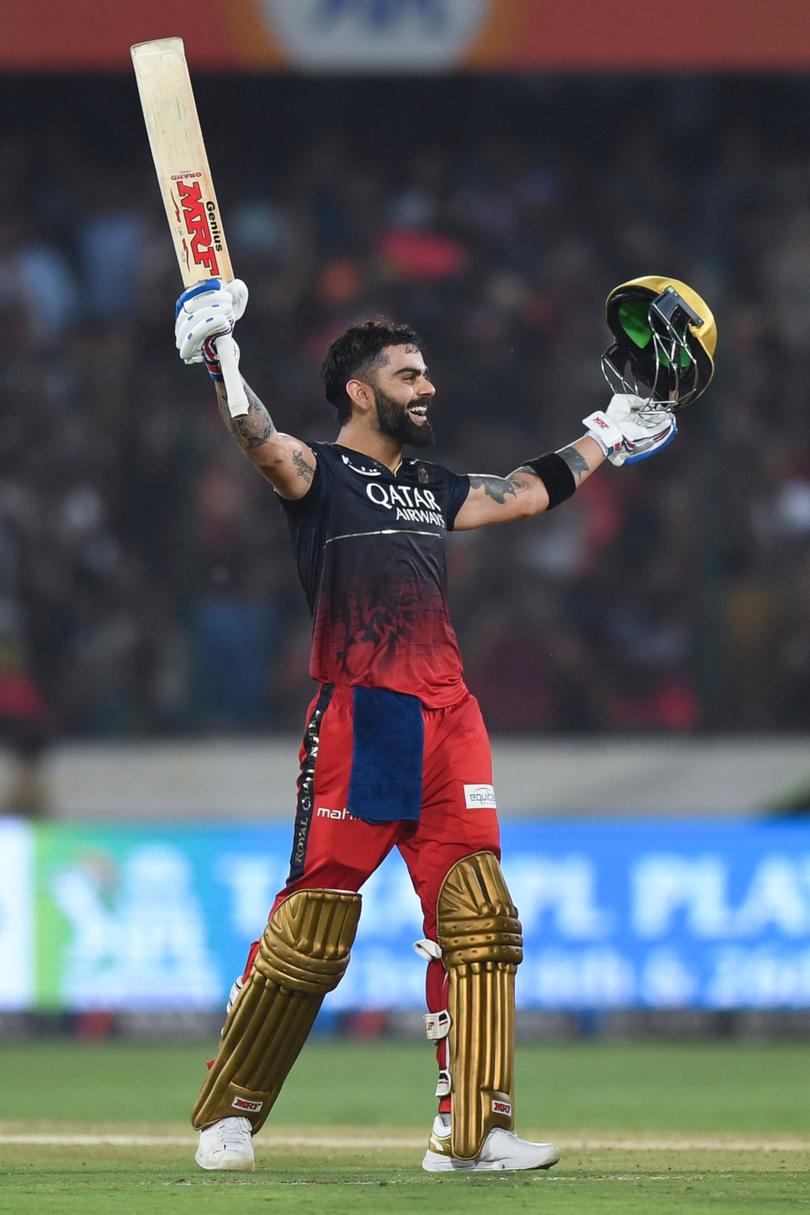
{"x": 185, "y": 181}
{"x": 181, "y": 163}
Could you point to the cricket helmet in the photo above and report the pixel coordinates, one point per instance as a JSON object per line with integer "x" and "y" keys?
{"x": 665, "y": 339}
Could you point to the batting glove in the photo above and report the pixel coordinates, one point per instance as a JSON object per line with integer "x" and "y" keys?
{"x": 631, "y": 429}
{"x": 203, "y": 313}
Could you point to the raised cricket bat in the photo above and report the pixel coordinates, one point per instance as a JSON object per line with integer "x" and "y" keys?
{"x": 185, "y": 181}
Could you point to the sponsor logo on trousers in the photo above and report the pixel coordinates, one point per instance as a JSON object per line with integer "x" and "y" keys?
{"x": 479, "y": 797}
{"x": 250, "y": 1107}
{"x": 325, "y": 812}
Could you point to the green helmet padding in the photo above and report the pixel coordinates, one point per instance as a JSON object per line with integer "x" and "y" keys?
{"x": 634, "y": 322}
{"x": 633, "y": 316}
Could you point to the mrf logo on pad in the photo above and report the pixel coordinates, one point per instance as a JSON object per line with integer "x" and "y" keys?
{"x": 249, "y": 1107}
{"x": 479, "y": 797}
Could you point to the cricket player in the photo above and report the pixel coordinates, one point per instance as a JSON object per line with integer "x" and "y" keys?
{"x": 395, "y": 752}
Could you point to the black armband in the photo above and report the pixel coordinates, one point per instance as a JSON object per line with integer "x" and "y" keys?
{"x": 555, "y": 474}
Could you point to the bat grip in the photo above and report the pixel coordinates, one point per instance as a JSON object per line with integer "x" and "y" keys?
{"x": 234, "y": 388}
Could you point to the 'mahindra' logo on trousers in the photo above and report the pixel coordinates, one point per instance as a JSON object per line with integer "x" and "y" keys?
{"x": 479, "y": 797}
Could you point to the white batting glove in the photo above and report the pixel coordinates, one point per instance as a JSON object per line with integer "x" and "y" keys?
{"x": 631, "y": 429}
{"x": 203, "y": 313}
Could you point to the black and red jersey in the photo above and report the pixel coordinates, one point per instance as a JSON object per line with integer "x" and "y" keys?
{"x": 370, "y": 547}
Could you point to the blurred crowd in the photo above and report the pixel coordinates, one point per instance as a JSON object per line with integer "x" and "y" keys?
{"x": 146, "y": 585}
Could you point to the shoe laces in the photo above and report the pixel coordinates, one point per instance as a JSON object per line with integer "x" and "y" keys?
{"x": 232, "y": 1132}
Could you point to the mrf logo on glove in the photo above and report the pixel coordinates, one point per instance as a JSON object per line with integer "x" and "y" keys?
{"x": 606, "y": 433}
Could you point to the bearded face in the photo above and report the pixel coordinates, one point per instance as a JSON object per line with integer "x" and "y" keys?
{"x": 408, "y": 425}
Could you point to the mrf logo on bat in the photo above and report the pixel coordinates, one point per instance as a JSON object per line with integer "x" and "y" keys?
{"x": 198, "y": 222}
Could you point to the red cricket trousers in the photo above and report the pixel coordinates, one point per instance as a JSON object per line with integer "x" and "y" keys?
{"x": 333, "y": 850}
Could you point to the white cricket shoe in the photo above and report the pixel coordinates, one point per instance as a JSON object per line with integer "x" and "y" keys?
{"x": 228, "y": 1144}
{"x": 502, "y": 1150}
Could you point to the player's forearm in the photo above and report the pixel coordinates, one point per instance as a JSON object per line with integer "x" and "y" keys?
{"x": 534, "y": 487}
{"x": 521, "y": 493}
{"x": 286, "y": 462}
{"x": 583, "y": 457}
{"x": 252, "y": 429}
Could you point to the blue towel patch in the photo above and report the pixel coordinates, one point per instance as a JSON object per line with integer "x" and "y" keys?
{"x": 387, "y": 748}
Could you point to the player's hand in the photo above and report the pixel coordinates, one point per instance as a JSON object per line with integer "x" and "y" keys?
{"x": 203, "y": 313}
{"x": 631, "y": 429}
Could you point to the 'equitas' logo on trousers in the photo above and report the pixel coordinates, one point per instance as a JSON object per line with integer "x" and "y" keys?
{"x": 479, "y": 797}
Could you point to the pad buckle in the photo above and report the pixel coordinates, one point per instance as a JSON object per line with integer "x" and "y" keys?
{"x": 437, "y": 1025}
{"x": 427, "y": 949}
{"x": 443, "y": 1084}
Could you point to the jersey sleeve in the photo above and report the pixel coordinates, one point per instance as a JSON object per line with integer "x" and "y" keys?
{"x": 458, "y": 488}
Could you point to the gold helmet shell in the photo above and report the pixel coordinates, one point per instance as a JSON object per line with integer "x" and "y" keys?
{"x": 665, "y": 340}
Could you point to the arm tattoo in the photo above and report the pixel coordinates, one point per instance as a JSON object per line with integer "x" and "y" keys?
{"x": 253, "y": 428}
{"x": 302, "y": 468}
{"x": 501, "y": 488}
{"x": 576, "y": 462}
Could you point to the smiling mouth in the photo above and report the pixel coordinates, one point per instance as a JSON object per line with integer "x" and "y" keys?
{"x": 418, "y": 413}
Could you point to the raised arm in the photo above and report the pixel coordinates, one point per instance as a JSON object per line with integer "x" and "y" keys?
{"x": 286, "y": 462}
{"x": 525, "y": 492}
{"x": 210, "y": 310}
{"x": 628, "y": 431}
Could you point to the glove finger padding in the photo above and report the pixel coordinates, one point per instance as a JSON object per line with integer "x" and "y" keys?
{"x": 238, "y": 292}
{"x": 198, "y": 295}
{"x": 194, "y": 328}
{"x": 207, "y": 310}
{"x": 631, "y": 413}
{"x": 632, "y": 429}
{"x": 647, "y": 447}
{"x": 233, "y": 295}
{"x": 192, "y": 332}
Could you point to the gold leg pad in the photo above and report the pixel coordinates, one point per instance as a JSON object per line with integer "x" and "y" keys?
{"x": 303, "y": 955}
{"x": 482, "y": 944}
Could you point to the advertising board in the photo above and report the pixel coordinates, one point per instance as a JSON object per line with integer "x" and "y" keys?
{"x": 415, "y": 36}
{"x": 16, "y": 916}
{"x": 641, "y": 914}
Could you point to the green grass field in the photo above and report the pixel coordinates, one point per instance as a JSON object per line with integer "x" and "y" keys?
{"x": 708, "y": 1129}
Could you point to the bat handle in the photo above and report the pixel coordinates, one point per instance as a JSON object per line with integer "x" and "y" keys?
{"x": 234, "y": 388}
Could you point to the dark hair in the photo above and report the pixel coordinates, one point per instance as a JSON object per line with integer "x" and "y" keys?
{"x": 354, "y": 353}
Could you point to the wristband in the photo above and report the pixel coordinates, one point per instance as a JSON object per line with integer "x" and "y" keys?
{"x": 556, "y": 476}
{"x": 211, "y": 359}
